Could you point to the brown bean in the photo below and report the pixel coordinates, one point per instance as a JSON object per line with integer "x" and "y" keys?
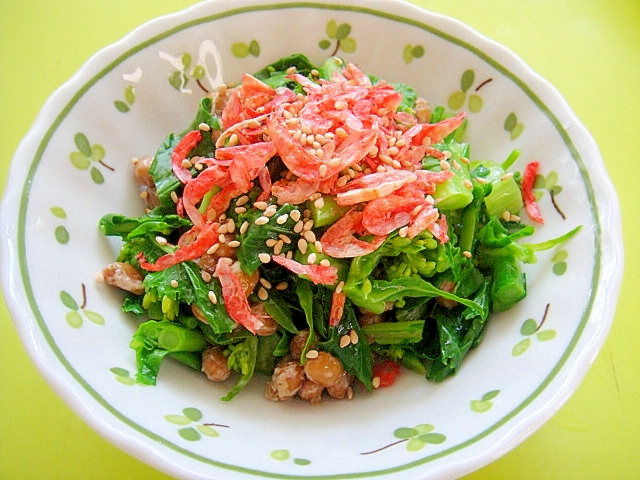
{"x": 286, "y": 380}
{"x": 123, "y": 276}
{"x": 325, "y": 369}
{"x": 214, "y": 364}
{"x": 342, "y": 387}
{"x": 141, "y": 171}
{"x": 296, "y": 346}
{"x": 311, "y": 392}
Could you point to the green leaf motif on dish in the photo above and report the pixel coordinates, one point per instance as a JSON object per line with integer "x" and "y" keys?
{"x": 512, "y": 126}
{"x": 283, "y": 455}
{"x": 186, "y": 70}
{"x": 88, "y": 157}
{"x": 472, "y": 98}
{"x": 531, "y": 329}
{"x": 549, "y": 184}
{"x": 123, "y": 376}
{"x": 242, "y": 49}
{"x": 129, "y": 98}
{"x": 416, "y": 438}
{"x": 340, "y": 32}
{"x": 412, "y": 52}
{"x": 60, "y": 233}
{"x": 192, "y": 433}
{"x": 484, "y": 404}
{"x": 77, "y": 312}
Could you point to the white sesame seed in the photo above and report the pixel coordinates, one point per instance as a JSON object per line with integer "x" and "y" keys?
{"x": 271, "y": 242}
{"x": 318, "y": 246}
{"x": 308, "y": 225}
{"x": 340, "y": 286}
{"x": 444, "y": 165}
{"x": 345, "y": 341}
{"x": 282, "y": 219}
{"x": 240, "y": 210}
{"x": 375, "y": 382}
{"x": 161, "y": 240}
{"x": 325, "y": 262}
{"x": 174, "y": 283}
{"x": 302, "y": 245}
{"x": 270, "y": 212}
{"x": 222, "y": 238}
{"x": 353, "y": 336}
{"x": 212, "y": 249}
{"x": 482, "y": 180}
{"x": 507, "y": 176}
{"x": 311, "y": 354}
{"x": 277, "y": 249}
{"x": 309, "y": 236}
{"x": 206, "y": 276}
{"x": 224, "y": 228}
{"x": 204, "y": 127}
{"x": 319, "y": 203}
{"x": 233, "y": 140}
{"x": 515, "y": 218}
{"x": 231, "y": 225}
{"x": 264, "y": 282}
{"x": 467, "y": 254}
{"x": 341, "y": 132}
{"x": 261, "y": 220}
{"x": 264, "y": 257}
{"x": 295, "y": 215}
{"x": 243, "y": 227}
{"x": 506, "y": 215}
{"x": 262, "y": 293}
{"x": 242, "y": 200}
{"x": 284, "y": 238}
{"x": 322, "y": 170}
{"x": 261, "y": 205}
{"x": 465, "y": 160}
{"x": 174, "y": 197}
{"x": 403, "y": 231}
{"x": 311, "y": 259}
{"x": 212, "y": 297}
{"x": 234, "y": 244}
{"x": 298, "y": 226}
{"x": 467, "y": 183}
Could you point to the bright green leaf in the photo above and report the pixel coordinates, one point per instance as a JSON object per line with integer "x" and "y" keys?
{"x": 82, "y": 143}
{"x": 94, "y": 317}
{"x": 348, "y": 45}
{"x": 193, "y": 414}
{"x": 521, "y": 347}
{"x": 74, "y": 319}
{"x": 61, "y": 234}
{"x": 190, "y": 434}
{"x": 177, "y": 419}
{"x": 79, "y": 160}
{"x": 68, "y": 301}
{"x": 467, "y": 79}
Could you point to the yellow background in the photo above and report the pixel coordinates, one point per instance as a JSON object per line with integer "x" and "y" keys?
{"x": 589, "y": 49}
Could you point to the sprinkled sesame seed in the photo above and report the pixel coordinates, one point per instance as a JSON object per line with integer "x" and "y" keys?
{"x": 226, "y": 260}
{"x": 174, "y": 197}
{"x": 212, "y": 249}
{"x": 353, "y": 335}
{"x": 174, "y": 283}
{"x": 291, "y": 70}
{"x": 318, "y": 246}
{"x": 224, "y": 228}
{"x": 261, "y": 220}
{"x": 467, "y": 183}
{"x": 375, "y": 382}
{"x": 231, "y": 225}
{"x": 186, "y": 164}
{"x": 282, "y": 286}
{"x": 264, "y": 282}
{"x": 507, "y": 176}
{"x": 393, "y": 151}
{"x": 515, "y": 218}
{"x": 341, "y": 132}
{"x": 401, "y": 143}
{"x": 212, "y": 297}
{"x": 312, "y": 258}
{"x": 465, "y": 160}
{"x": 396, "y": 164}
{"x": 308, "y": 225}
{"x": 467, "y": 254}
{"x": 403, "y": 231}
{"x": 482, "y": 180}
{"x": 322, "y": 170}
{"x": 345, "y": 341}
{"x": 277, "y": 248}
{"x": 342, "y": 181}
{"x": 309, "y": 236}
{"x": 325, "y": 262}
{"x": 282, "y": 219}
{"x": 444, "y": 165}
{"x": 161, "y": 240}
{"x": 262, "y": 293}
{"x": 271, "y": 242}
{"x": 319, "y": 203}
{"x": 426, "y": 141}
{"x": 243, "y": 227}
{"x": 306, "y": 129}
{"x": 233, "y": 140}
{"x": 240, "y": 210}
{"x": 302, "y": 246}
{"x": 295, "y": 215}
{"x": 261, "y": 205}
{"x": 298, "y": 226}
{"x": 204, "y": 127}
{"x": 284, "y": 238}
{"x": 264, "y": 257}
{"x": 270, "y": 212}
{"x": 234, "y": 244}
{"x": 242, "y": 200}
{"x": 384, "y": 158}
{"x": 381, "y": 169}
{"x": 506, "y": 215}
{"x": 455, "y": 164}
{"x": 311, "y": 354}
{"x": 222, "y": 238}
{"x": 206, "y": 276}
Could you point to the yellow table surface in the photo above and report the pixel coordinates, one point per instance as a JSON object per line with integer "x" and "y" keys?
{"x": 589, "y": 49}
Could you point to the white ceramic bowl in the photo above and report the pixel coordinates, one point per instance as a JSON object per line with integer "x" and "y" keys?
{"x": 123, "y": 102}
